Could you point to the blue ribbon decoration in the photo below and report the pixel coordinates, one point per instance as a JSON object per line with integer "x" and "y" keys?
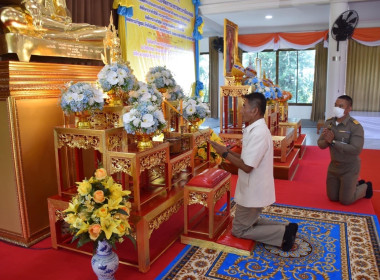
{"x": 198, "y": 87}
{"x": 198, "y": 21}
{"x": 197, "y": 36}
{"x": 125, "y": 11}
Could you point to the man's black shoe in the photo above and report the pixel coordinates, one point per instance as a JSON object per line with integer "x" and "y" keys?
{"x": 361, "y": 182}
{"x": 369, "y": 192}
{"x": 289, "y": 237}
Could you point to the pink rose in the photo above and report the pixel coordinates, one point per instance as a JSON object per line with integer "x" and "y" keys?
{"x": 100, "y": 174}
{"x": 99, "y": 196}
{"x": 94, "y": 231}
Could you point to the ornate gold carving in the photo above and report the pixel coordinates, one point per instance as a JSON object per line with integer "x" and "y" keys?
{"x": 105, "y": 119}
{"x": 181, "y": 165}
{"x": 121, "y": 165}
{"x": 198, "y": 198}
{"x": 277, "y": 144}
{"x": 235, "y": 91}
{"x": 230, "y": 81}
{"x": 59, "y": 215}
{"x": 164, "y": 216}
{"x": 200, "y": 139}
{"x": 114, "y": 142}
{"x": 221, "y": 191}
{"x": 231, "y": 141}
{"x": 152, "y": 160}
{"x": 79, "y": 141}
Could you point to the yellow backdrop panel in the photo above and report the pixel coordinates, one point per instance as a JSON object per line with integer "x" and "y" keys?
{"x": 160, "y": 34}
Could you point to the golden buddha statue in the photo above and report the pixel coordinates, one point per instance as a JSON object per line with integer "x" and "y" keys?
{"x": 48, "y": 19}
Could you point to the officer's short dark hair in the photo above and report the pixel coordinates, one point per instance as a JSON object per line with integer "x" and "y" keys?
{"x": 347, "y": 98}
{"x": 257, "y": 100}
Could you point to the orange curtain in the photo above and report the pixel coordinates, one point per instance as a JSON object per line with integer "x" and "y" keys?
{"x": 301, "y": 38}
{"x": 306, "y": 38}
{"x": 367, "y": 34}
{"x": 256, "y": 40}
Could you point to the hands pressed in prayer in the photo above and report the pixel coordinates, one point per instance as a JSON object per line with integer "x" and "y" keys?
{"x": 328, "y": 135}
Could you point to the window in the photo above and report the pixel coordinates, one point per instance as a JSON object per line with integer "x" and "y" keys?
{"x": 204, "y": 75}
{"x": 268, "y": 62}
{"x": 292, "y": 70}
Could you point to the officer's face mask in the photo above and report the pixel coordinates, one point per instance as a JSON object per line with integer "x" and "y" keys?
{"x": 338, "y": 112}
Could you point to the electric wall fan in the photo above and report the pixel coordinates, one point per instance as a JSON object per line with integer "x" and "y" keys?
{"x": 217, "y": 44}
{"x": 344, "y": 26}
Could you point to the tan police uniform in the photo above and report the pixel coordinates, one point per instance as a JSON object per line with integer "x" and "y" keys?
{"x": 344, "y": 168}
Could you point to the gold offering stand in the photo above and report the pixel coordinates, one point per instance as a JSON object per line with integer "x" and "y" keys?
{"x": 232, "y": 125}
{"x": 155, "y": 176}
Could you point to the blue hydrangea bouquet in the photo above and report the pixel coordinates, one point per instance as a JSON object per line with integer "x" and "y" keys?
{"x": 161, "y": 77}
{"x": 194, "y": 109}
{"x": 144, "y": 117}
{"x": 116, "y": 75}
{"x": 174, "y": 94}
{"x": 145, "y": 92}
{"x": 80, "y": 97}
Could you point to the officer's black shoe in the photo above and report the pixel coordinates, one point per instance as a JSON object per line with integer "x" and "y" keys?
{"x": 369, "y": 192}
{"x": 361, "y": 182}
{"x": 289, "y": 237}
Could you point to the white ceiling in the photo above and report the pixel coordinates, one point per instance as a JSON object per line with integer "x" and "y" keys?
{"x": 288, "y": 15}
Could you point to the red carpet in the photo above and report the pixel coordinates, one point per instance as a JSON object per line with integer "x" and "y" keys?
{"x": 307, "y": 189}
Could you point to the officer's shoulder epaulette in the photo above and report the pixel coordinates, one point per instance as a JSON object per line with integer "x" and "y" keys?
{"x": 355, "y": 121}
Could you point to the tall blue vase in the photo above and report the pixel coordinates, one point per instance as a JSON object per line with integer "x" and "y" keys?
{"x": 105, "y": 262}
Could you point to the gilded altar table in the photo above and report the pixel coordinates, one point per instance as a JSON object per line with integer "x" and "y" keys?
{"x": 294, "y": 123}
{"x": 283, "y": 142}
{"x": 76, "y": 141}
{"x": 197, "y": 139}
{"x": 147, "y": 170}
{"x": 155, "y": 198}
{"x": 282, "y": 138}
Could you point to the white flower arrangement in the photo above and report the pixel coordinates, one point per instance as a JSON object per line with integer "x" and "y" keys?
{"x": 79, "y": 97}
{"x": 116, "y": 75}
{"x": 144, "y": 117}
{"x": 144, "y": 93}
{"x": 194, "y": 109}
{"x": 161, "y": 77}
{"x": 175, "y": 94}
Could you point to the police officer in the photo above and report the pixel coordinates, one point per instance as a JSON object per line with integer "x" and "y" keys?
{"x": 344, "y": 136}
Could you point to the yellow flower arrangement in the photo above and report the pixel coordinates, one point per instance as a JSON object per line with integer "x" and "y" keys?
{"x": 202, "y": 150}
{"x": 100, "y": 210}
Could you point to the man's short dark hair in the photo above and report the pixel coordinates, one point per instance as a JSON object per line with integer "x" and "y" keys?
{"x": 257, "y": 100}
{"x": 347, "y": 98}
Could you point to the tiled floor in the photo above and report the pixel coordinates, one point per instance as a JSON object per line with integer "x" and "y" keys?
{"x": 311, "y": 133}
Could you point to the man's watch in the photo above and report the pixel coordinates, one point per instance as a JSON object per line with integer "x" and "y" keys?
{"x": 225, "y": 154}
{"x": 332, "y": 143}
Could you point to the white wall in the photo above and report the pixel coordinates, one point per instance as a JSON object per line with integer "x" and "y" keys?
{"x": 300, "y": 112}
{"x": 203, "y": 45}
